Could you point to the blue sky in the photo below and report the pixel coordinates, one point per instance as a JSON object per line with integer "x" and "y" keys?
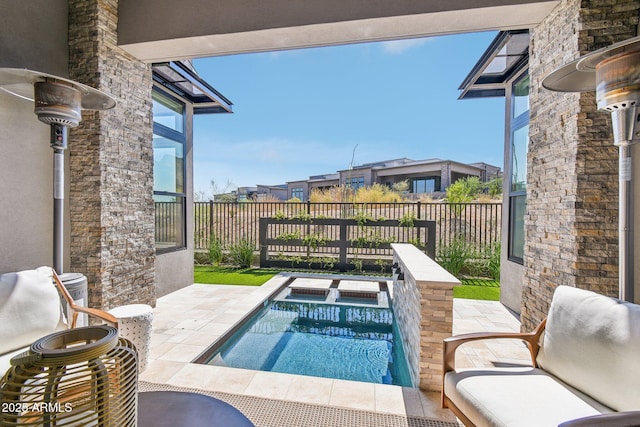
{"x": 301, "y": 112}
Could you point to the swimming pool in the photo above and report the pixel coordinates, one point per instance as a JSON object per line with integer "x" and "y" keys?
{"x": 351, "y": 338}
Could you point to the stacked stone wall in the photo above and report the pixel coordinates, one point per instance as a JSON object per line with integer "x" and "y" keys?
{"x": 572, "y": 188}
{"x": 111, "y": 162}
{"x": 423, "y": 307}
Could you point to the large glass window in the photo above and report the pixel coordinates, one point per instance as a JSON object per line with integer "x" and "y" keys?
{"x": 169, "y": 172}
{"x": 297, "y": 193}
{"x": 519, "y": 147}
{"x": 519, "y": 126}
{"x": 521, "y": 96}
{"x": 517, "y": 207}
{"x": 428, "y": 184}
{"x": 355, "y": 183}
{"x": 168, "y": 112}
{"x": 168, "y": 165}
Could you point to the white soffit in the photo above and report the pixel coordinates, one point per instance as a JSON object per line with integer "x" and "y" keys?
{"x": 326, "y": 34}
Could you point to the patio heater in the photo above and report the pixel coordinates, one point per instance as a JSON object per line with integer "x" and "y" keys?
{"x": 614, "y": 73}
{"x": 58, "y": 103}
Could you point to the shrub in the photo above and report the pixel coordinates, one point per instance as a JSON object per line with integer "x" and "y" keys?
{"x": 401, "y": 186}
{"x": 215, "y": 249}
{"x": 455, "y": 255}
{"x": 493, "y": 263}
{"x": 494, "y": 187}
{"x": 328, "y": 195}
{"x": 241, "y": 253}
{"x": 464, "y": 190}
{"x": 377, "y": 193}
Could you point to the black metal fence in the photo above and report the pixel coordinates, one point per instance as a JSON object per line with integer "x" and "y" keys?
{"x": 478, "y": 224}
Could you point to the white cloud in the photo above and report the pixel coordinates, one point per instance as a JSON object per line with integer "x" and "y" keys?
{"x": 398, "y": 47}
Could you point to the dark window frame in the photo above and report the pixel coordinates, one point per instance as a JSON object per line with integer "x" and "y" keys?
{"x": 180, "y": 137}
{"x": 515, "y": 124}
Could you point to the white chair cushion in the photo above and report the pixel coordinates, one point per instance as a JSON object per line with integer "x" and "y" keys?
{"x": 517, "y": 397}
{"x": 592, "y": 342}
{"x": 29, "y": 308}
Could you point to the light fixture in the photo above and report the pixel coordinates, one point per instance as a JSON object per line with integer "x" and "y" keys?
{"x": 58, "y": 103}
{"x": 614, "y": 73}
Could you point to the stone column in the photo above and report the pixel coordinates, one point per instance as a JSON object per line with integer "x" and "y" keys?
{"x": 445, "y": 176}
{"x": 571, "y": 235}
{"x": 423, "y": 306}
{"x": 111, "y": 162}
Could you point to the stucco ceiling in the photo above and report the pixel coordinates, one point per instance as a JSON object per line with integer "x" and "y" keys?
{"x": 160, "y": 30}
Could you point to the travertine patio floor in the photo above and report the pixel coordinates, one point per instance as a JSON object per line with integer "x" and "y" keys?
{"x": 189, "y": 320}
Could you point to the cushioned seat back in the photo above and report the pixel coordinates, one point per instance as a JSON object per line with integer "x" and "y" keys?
{"x": 592, "y": 343}
{"x": 29, "y": 308}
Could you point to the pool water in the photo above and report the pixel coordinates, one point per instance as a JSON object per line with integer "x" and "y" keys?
{"x": 348, "y": 342}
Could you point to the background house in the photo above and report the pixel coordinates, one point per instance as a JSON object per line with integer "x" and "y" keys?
{"x": 424, "y": 176}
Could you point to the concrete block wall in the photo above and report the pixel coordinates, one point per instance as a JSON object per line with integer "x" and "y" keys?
{"x": 572, "y": 189}
{"x": 423, "y": 306}
{"x": 111, "y": 163}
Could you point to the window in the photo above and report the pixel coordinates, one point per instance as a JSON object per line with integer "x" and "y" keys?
{"x": 426, "y": 185}
{"x": 297, "y": 193}
{"x": 519, "y": 126}
{"x": 355, "y": 183}
{"x": 169, "y": 172}
{"x": 519, "y": 146}
{"x": 517, "y": 206}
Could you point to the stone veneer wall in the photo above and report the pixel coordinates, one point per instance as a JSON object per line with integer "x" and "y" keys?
{"x": 111, "y": 162}
{"x": 423, "y": 307}
{"x": 571, "y": 235}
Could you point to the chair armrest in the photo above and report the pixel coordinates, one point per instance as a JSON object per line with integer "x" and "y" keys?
{"x": 532, "y": 339}
{"x": 615, "y": 419}
{"x": 102, "y": 315}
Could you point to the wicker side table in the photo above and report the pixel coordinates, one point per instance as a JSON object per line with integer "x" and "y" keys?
{"x": 134, "y": 324}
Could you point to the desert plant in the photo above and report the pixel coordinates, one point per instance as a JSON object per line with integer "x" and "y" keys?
{"x": 464, "y": 190}
{"x": 454, "y": 256}
{"x": 401, "y": 186}
{"x": 357, "y": 263}
{"x": 303, "y": 216}
{"x": 314, "y": 240}
{"x": 215, "y": 249}
{"x": 289, "y": 236}
{"x": 241, "y": 253}
{"x": 483, "y": 261}
{"x": 493, "y": 263}
{"x": 377, "y": 193}
{"x": 279, "y": 215}
{"x": 362, "y": 217}
{"x": 407, "y": 220}
{"x": 494, "y": 187}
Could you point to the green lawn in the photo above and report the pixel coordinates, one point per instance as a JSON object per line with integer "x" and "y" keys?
{"x": 232, "y": 276}
{"x": 472, "y": 288}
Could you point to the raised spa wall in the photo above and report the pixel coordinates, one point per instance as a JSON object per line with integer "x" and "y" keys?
{"x": 423, "y": 306}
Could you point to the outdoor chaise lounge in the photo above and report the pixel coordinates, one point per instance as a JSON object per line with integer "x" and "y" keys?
{"x": 30, "y": 309}
{"x": 586, "y": 358}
